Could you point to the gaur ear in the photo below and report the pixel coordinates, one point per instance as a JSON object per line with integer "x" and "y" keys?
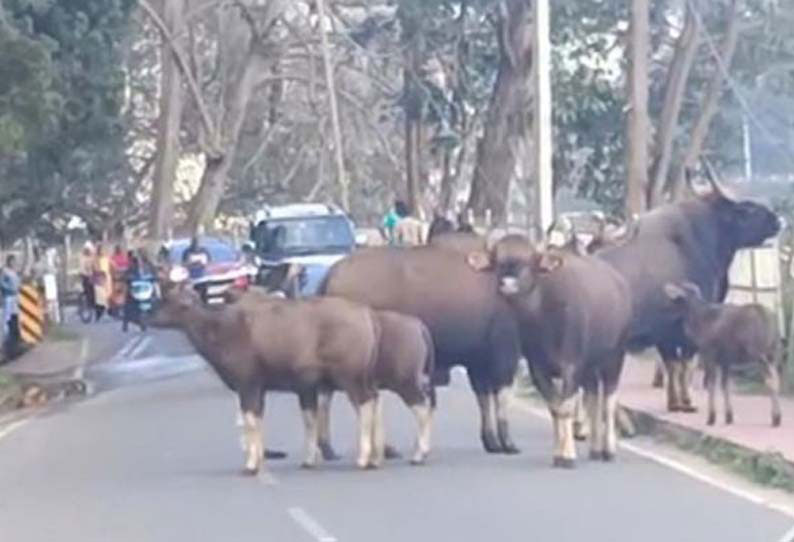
{"x": 545, "y": 262}
{"x": 478, "y": 260}
{"x": 674, "y": 292}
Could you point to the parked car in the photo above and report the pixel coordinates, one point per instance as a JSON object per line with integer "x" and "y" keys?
{"x": 315, "y": 236}
{"x": 227, "y": 267}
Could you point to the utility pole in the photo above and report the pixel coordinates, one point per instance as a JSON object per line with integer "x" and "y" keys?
{"x": 543, "y": 201}
{"x": 748, "y": 149}
{"x": 344, "y": 185}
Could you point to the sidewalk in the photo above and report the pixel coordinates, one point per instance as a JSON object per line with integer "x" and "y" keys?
{"x": 752, "y": 428}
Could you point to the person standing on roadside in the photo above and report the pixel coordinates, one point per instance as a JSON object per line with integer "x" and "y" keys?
{"x": 87, "y": 274}
{"x": 389, "y": 223}
{"x": 195, "y": 258}
{"x": 120, "y": 260}
{"x": 409, "y": 229}
{"x": 103, "y": 282}
{"x": 9, "y": 287}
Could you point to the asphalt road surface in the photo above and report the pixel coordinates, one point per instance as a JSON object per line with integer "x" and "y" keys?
{"x": 155, "y": 456}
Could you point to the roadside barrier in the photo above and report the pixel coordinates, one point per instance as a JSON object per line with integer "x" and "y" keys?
{"x": 31, "y": 315}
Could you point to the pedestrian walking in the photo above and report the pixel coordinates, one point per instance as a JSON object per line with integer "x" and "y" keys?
{"x": 103, "y": 282}
{"x": 409, "y": 229}
{"x": 9, "y": 287}
{"x": 389, "y": 223}
{"x": 50, "y": 285}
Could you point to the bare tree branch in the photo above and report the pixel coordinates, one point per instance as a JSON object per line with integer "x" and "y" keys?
{"x": 214, "y": 147}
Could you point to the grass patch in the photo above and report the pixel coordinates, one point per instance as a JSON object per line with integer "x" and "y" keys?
{"x": 10, "y": 392}
{"x": 769, "y": 469}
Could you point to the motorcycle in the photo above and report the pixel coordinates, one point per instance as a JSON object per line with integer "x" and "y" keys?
{"x": 142, "y": 295}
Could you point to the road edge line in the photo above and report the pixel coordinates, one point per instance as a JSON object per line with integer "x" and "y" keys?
{"x": 679, "y": 467}
{"x": 310, "y": 525}
{"x": 11, "y": 427}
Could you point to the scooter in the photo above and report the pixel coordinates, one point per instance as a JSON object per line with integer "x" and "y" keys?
{"x": 142, "y": 293}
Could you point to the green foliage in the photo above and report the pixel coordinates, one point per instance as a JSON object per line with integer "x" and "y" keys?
{"x": 64, "y": 111}
{"x": 25, "y": 95}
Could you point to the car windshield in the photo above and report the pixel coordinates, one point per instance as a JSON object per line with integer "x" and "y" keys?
{"x": 220, "y": 252}
{"x": 304, "y": 235}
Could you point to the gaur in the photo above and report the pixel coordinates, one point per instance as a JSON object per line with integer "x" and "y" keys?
{"x": 404, "y": 366}
{"x": 728, "y": 335}
{"x": 690, "y": 241}
{"x": 274, "y": 344}
{"x": 470, "y": 323}
{"x": 573, "y": 313}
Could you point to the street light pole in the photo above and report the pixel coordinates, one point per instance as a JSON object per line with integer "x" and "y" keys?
{"x": 337, "y": 131}
{"x": 543, "y": 201}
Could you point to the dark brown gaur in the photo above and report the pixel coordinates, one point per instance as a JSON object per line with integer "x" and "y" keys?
{"x": 460, "y": 242}
{"x": 470, "y": 323}
{"x": 573, "y": 313}
{"x": 727, "y": 336}
{"x": 263, "y": 343}
{"x": 689, "y": 241}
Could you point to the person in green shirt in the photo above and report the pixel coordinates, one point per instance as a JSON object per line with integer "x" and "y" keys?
{"x": 391, "y": 219}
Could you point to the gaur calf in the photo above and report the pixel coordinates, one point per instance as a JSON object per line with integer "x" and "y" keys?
{"x": 573, "y": 314}
{"x": 274, "y": 344}
{"x": 728, "y": 335}
{"x": 404, "y": 366}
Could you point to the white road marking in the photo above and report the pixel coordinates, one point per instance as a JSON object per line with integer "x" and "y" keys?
{"x": 10, "y": 428}
{"x": 142, "y": 345}
{"x": 687, "y": 471}
{"x": 310, "y": 525}
{"x": 125, "y": 350}
{"x": 789, "y": 536}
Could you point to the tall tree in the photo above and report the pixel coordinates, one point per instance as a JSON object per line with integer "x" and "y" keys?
{"x": 637, "y": 124}
{"x": 169, "y": 122}
{"x": 81, "y": 150}
{"x": 686, "y": 47}
{"x": 722, "y": 58}
{"x": 506, "y": 118}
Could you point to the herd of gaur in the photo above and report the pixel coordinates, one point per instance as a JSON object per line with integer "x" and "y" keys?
{"x": 400, "y": 318}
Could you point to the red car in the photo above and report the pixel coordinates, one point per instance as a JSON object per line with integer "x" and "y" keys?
{"x": 227, "y": 267}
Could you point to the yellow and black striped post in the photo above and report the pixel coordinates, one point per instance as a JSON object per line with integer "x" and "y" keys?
{"x": 31, "y": 315}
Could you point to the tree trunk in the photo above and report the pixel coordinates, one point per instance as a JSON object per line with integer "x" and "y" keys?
{"x": 678, "y": 74}
{"x": 240, "y": 88}
{"x": 710, "y": 101}
{"x": 447, "y": 182}
{"x": 168, "y": 124}
{"x": 412, "y": 160}
{"x": 506, "y": 118}
{"x": 637, "y": 118}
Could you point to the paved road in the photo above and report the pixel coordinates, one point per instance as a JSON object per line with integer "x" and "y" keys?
{"x": 157, "y": 459}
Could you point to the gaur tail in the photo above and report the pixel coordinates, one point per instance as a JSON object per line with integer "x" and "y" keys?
{"x": 429, "y": 367}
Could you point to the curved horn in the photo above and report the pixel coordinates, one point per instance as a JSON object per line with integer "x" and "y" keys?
{"x": 711, "y": 176}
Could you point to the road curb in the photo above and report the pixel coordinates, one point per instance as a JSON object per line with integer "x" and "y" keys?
{"x": 34, "y": 391}
{"x": 769, "y": 468}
